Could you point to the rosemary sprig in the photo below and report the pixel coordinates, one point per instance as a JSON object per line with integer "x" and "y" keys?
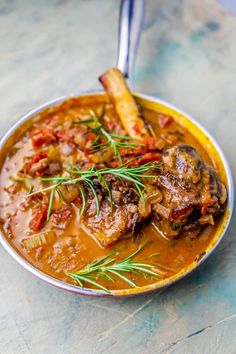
{"x": 79, "y": 178}
{"x": 107, "y": 267}
{"x": 115, "y": 141}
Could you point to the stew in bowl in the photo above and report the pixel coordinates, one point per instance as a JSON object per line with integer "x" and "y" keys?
{"x": 111, "y": 193}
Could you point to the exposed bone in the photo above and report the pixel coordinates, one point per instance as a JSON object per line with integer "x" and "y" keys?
{"x": 115, "y": 85}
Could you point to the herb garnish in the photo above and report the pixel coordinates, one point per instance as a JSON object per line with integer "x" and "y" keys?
{"x": 79, "y": 178}
{"x": 115, "y": 141}
{"x": 107, "y": 267}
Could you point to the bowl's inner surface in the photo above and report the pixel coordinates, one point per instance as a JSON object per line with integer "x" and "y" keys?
{"x": 75, "y": 247}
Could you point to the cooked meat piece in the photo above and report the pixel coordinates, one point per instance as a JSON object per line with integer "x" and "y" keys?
{"x": 192, "y": 191}
{"x": 62, "y": 217}
{"x": 161, "y": 210}
{"x": 186, "y": 194}
{"x": 111, "y": 223}
{"x": 184, "y": 161}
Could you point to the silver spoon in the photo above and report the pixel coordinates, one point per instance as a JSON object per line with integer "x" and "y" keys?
{"x": 130, "y": 25}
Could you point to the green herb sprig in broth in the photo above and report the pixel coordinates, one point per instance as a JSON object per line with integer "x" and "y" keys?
{"x": 115, "y": 141}
{"x": 108, "y": 268}
{"x": 78, "y": 177}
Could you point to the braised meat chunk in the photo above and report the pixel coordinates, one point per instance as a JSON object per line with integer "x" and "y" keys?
{"x": 192, "y": 191}
{"x": 115, "y": 219}
{"x": 109, "y": 225}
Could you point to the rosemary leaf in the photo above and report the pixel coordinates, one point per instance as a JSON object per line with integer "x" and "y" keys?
{"x": 90, "y": 183}
{"x": 124, "y": 278}
{"x": 123, "y": 137}
{"x": 107, "y": 267}
{"x": 51, "y": 198}
{"x": 83, "y": 196}
{"x": 90, "y": 281}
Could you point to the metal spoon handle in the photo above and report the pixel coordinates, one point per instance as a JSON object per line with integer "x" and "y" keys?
{"x": 130, "y": 26}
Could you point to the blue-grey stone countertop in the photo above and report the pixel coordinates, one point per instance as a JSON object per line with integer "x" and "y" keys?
{"x": 187, "y": 56}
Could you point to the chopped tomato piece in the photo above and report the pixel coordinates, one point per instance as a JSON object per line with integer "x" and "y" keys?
{"x": 66, "y": 136}
{"x": 164, "y": 120}
{"x": 132, "y": 152}
{"x": 149, "y": 144}
{"x": 78, "y": 201}
{"x": 39, "y": 216}
{"x": 148, "y": 157}
{"x": 42, "y": 135}
{"x": 37, "y": 164}
{"x": 153, "y": 143}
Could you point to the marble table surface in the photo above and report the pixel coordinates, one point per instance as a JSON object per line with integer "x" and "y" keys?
{"x": 188, "y": 57}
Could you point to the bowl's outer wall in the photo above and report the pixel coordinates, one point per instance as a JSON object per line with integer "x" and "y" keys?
{"x": 212, "y": 148}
